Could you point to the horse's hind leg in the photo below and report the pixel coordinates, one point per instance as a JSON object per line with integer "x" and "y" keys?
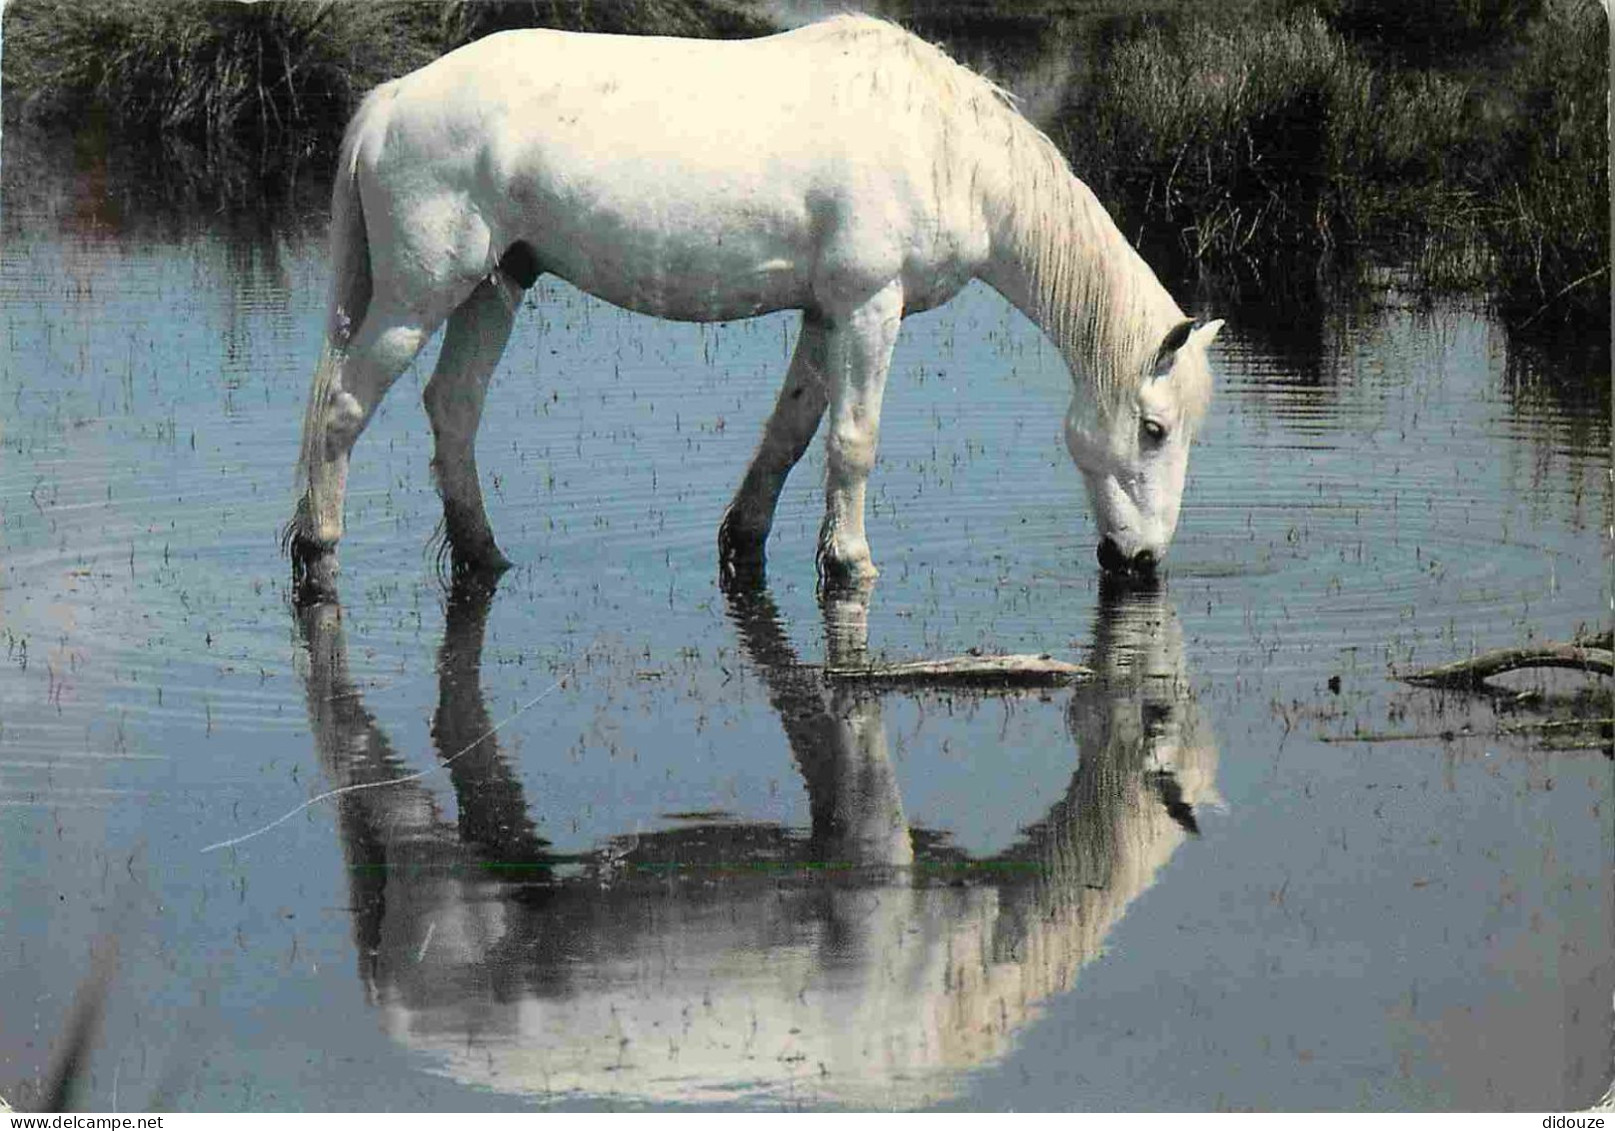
{"x": 789, "y": 430}
{"x": 345, "y": 400}
{"x": 475, "y": 337}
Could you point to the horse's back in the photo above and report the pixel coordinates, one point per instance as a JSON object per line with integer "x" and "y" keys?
{"x": 691, "y": 178}
{"x": 828, "y": 87}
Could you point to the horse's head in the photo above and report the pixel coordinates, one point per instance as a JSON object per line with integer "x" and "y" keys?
{"x": 1133, "y": 451}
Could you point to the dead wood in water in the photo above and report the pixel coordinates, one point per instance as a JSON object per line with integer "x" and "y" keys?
{"x": 1544, "y": 727}
{"x": 984, "y": 672}
{"x": 1468, "y": 673}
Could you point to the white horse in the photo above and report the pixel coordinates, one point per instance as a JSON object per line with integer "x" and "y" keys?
{"x": 846, "y": 169}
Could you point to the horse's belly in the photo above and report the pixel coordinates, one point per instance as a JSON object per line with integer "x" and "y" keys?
{"x": 683, "y": 268}
{"x": 680, "y": 237}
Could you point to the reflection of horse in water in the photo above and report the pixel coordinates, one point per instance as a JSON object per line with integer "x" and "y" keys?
{"x": 734, "y": 959}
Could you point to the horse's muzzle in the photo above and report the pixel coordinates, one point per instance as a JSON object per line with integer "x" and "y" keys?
{"x": 1141, "y": 565}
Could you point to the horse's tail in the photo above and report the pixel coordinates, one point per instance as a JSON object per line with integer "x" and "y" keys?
{"x": 351, "y": 286}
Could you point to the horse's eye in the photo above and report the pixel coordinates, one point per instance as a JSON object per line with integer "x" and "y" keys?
{"x": 1153, "y": 431}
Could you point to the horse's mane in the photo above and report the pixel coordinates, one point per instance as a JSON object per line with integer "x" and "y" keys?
{"x": 1094, "y": 295}
{"x": 1092, "y": 292}
{"x": 880, "y": 37}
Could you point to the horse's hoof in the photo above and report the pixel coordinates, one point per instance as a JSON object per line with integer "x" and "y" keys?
{"x": 480, "y": 556}
{"x": 484, "y": 567}
{"x": 465, "y": 550}
{"x": 474, "y": 587}
{"x": 742, "y": 562}
{"x": 836, "y": 576}
{"x": 741, "y": 569}
{"x": 314, "y": 578}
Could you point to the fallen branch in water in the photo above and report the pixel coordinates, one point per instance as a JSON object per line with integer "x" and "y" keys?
{"x": 967, "y": 671}
{"x": 1468, "y": 673}
{"x": 1452, "y": 734}
{"x": 1449, "y": 735}
{"x": 1554, "y": 724}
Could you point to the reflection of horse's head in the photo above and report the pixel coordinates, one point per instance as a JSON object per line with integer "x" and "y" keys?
{"x": 1141, "y": 713}
{"x": 733, "y": 959}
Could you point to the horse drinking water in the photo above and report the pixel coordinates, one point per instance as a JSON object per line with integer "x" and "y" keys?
{"x": 846, "y": 169}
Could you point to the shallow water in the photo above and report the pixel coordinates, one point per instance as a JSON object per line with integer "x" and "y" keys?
{"x": 606, "y": 840}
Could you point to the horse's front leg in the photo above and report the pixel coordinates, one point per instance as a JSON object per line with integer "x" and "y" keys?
{"x": 858, "y": 353}
{"x": 472, "y": 343}
{"x": 790, "y": 428}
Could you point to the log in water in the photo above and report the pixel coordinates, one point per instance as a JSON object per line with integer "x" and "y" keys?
{"x": 984, "y": 672}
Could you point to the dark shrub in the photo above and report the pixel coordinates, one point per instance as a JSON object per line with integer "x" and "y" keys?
{"x": 1426, "y": 29}
{"x": 466, "y": 20}
{"x": 1551, "y": 226}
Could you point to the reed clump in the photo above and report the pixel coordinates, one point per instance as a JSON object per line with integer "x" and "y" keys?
{"x": 1264, "y": 146}
{"x": 1430, "y": 32}
{"x": 1549, "y": 212}
{"x": 277, "y": 74}
{"x": 1251, "y": 141}
{"x": 462, "y": 21}
{"x": 208, "y": 72}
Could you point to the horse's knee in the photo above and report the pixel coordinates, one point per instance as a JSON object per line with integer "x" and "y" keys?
{"x": 439, "y": 403}
{"x": 454, "y": 410}
{"x": 345, "y": 418}
{"x": 851, "y": 449}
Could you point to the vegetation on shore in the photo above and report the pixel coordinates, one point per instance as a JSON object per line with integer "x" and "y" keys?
{"x": 1268, "y": 141}
{"x": 277, "y": 74}
{"x": 1472, "y": 142}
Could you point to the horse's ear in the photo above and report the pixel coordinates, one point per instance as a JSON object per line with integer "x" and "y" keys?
{"x": 1170, "y": 345}
{"x": 1206, "y": 333}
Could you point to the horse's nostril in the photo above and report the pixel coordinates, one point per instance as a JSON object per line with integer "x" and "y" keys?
{"x": 1111, "y": 557}
{"x": 1144, "y": 562}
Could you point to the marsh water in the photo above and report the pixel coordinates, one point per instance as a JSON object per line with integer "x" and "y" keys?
{"x": 604, "y": 837}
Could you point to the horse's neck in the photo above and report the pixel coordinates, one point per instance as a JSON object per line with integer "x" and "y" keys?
{"x": 1059, "y": 258}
